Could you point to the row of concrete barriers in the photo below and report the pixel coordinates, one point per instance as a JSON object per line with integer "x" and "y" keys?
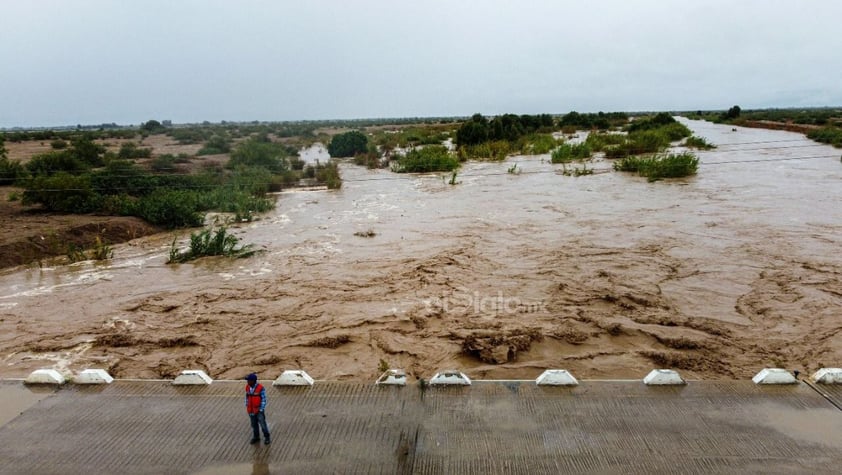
{"x": 397, "y": 377}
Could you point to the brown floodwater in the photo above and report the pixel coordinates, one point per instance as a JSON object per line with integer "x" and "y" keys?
{"x": 502, "y": 275}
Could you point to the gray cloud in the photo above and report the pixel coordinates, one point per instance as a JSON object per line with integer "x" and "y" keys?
{"x": 114, "y": 61}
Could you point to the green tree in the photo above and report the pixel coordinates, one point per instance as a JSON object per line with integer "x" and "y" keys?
{"x": 348, "y": 144}
{"x": 733, "y": 113}
{"x": 215, "y": 145}
{"x": 473, "y": 132}
{"x": 10, "y": 171}
{"x": 84, "y": 149}
{"x": 152, "y": 126}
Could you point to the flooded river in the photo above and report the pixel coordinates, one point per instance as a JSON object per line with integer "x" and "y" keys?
{"x": 501, "y": 275}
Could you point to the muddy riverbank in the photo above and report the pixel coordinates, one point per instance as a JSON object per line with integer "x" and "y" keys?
{"x": 502, "y": 275}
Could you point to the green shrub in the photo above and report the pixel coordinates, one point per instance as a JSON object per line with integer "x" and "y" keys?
{"x": 329, "y": 174}
{"x": 538, "y": 144}
{"x": 432, "y": 158}
{"x": 61, "y": 192}
{"x": 497, "y": 150}
{"x": 74, "y": 253}
{"x": 170, "y": 208}
{"x": 84, "y": 149}
{"x": 210, "y": 243}
{"x": 239, "y": 202}
{"x": 658, "y": 167}
{"x": 216, "y": 144}
{"x": 252, "y": 180}
{"x": 297, "y": 163}
{"x": 370, "y": 160}
{"x": 58, "y": 144}
{"x": 646, "y": 141}
{"x": 599, "y": 141}
{"x": 348, "y": 144}
{"x": 51, "y": 163}
{"x": 675, "y": 131}
{"x": 566, "y": 153}
{"x": 130, "y": 150}
{"x": 253, "y": 153}
{"x": 123, "y": 176}
{"x": 190, "y": 135}
{"x": 828, "y": 135}
{"x": 653, "y": 122}
{"x": 576, "y": 171}
{"x": 163, "y": 163}
{"x": 699, "y": 143}
{"x": 10, "y": 171}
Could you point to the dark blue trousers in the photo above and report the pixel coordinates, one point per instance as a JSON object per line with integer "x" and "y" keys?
{"x": 259, "y": 419}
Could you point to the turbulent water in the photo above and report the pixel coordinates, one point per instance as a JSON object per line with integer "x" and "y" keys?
{"x": 501, "y": 275}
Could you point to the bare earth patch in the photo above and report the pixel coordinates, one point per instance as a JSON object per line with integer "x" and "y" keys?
{"x": 29, "y": 235}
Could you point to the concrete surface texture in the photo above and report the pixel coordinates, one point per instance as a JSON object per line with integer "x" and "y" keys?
{"x": 489, "y": 427}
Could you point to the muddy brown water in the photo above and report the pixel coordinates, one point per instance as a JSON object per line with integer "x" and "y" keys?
{"x": 608, "y": 276}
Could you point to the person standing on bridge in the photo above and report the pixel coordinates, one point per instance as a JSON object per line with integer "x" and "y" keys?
{"x": 255, "y": 406}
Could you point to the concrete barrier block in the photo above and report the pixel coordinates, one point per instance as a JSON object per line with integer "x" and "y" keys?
{"x": 44, "y": 376}
{"x": 191, "y": 377}
{"x": 828, "y": 376}
{"x": 663, "y": 377}
{"x": 93, "y": 376}
{"x": 294, "y": 377}
{"x": 556, "y": 377}
{"x": 450, "y": 377}
{"x": 392, "y": 377}
{"x": 774, "y": 376}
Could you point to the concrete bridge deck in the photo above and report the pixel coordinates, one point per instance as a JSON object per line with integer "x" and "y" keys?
{"x": 490, "y": 427}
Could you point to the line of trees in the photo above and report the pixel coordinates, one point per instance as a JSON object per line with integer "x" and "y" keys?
{"x": 509, "y": 127}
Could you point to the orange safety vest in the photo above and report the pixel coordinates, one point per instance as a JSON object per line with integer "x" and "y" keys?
{"x": 253, "y": 398}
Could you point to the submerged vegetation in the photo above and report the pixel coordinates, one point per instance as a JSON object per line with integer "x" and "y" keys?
{"x": 657, "y": 167}
{"x": 496, "y": 150}
{"x": 210, "y": 242}
{"x": 431, "y": 158}
{"x": 649, "y": 135}
{"x": 494, "y": 139}
{"x": 699, "y": 142}
{"x": 576, "y": 171}
{"x": 100, "y": 252}
{"x": 566, "y": 153}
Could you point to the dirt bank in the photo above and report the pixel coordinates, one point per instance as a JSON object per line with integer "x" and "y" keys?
{"x": 30, "y": 235}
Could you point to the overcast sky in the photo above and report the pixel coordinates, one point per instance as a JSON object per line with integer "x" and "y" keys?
{"x": 90, "y": 62}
